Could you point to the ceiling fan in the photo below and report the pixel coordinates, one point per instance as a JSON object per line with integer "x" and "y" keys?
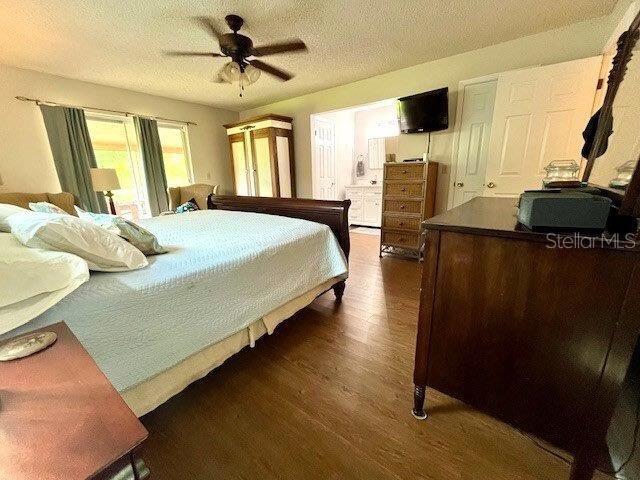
{"x": 239, "y": 48}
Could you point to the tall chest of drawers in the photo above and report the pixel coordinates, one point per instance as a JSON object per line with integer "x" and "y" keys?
{"x": 408, "y": 198}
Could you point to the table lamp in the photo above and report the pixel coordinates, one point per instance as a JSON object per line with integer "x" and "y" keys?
{"x": 105, "y": 180}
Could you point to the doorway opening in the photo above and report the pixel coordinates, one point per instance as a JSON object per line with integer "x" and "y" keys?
{"x": 348, "y": 150}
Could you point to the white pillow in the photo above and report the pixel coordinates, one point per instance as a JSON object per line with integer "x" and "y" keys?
{"x": 46, "y": 207}
{"x": 7, "y": 209}
{"x": 142, "y": 239}
{"x": 103, "y": 251}
{"x": 33, "y": 280}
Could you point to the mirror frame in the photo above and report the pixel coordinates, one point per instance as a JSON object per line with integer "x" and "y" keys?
{"x": 629, "y": 201}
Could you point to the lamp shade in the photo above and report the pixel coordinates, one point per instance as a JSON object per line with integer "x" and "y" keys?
{"x": 104, "y": 179}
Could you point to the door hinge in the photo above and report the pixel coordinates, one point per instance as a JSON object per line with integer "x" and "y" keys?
{"x": 600, "y": 83}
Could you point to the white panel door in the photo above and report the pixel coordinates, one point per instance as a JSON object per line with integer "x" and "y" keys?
{"x": 539, "y": 116}
{"x": 473, "y": 143}
{"x": 325, "y": 159}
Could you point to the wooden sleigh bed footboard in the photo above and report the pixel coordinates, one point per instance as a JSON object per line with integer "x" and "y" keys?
{"x": 333, "y": 213}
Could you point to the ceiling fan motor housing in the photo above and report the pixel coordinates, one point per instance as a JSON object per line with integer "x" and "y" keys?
{"x": 236, "y": 46}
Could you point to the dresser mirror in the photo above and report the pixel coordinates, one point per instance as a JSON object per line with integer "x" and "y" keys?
{"x": 616, "y": 130}
{"x": 615, "y": 167}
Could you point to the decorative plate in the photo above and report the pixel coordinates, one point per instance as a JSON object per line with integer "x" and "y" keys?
{"x": 26, "y": 345}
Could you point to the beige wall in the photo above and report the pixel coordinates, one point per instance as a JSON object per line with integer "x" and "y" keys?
{"x": 575, "y": 41}
{"x": 25, "y": 157}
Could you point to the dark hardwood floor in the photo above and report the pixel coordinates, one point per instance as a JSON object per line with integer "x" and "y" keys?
{"x": 329, "y": 395}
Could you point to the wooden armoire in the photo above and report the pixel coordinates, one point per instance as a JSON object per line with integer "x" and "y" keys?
{"x": 261, "y": 150}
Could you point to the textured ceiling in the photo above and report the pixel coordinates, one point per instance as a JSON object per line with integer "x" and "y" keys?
{"x": 119, "y": 43}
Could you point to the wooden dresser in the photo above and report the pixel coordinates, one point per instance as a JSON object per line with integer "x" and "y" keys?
{"x": 60, "y": 418}
{"x": 408, "y": 198}
{"x": 521, "y": 326}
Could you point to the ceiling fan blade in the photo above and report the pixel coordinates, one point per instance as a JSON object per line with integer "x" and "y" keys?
{"x": 266, "y": 68}
{"x": 209, "y": 26}
{"x": 293, "y": 45}
{"x": 193, "y": 54}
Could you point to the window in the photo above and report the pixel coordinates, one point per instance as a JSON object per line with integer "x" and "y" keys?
{"x": 115, "y": 145}
{"x": 175, "y": 152}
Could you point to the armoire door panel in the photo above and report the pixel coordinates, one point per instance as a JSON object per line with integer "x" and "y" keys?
{"x": 284, "y": 167}
{"x": 239, "y": 162}
{"x": 263, "y": 165}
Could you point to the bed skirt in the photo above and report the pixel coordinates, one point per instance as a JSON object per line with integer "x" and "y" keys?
{"x": 146, "y": 396}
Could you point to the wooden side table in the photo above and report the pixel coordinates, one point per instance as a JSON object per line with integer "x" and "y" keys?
{"x": 60, "y": 418}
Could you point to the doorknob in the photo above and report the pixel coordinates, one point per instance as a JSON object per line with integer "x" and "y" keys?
{"x": 491, "y": 185}
{"x": 460, "y": 184}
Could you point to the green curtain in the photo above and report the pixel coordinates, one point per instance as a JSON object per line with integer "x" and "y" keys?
{"x": 73, "y": 154}
{"x": 153, "y": 164}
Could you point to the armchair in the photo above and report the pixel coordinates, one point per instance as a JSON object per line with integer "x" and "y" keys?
{"x": 199, "y": 191}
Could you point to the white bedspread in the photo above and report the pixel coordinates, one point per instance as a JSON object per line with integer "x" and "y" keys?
{"x": 225, "y": 270}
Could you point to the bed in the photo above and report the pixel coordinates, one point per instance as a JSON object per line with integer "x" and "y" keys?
{"x": 232, "y": 274}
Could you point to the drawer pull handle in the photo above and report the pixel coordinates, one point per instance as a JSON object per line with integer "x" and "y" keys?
{"x": 401, "y": 224}
{"x": 401, "y": 207}
{"x": 403, "y": 189}
{"x": 404, "y": 172}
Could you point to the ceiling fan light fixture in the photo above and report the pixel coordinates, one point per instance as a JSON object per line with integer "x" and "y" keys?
{"x": 250, "y": 75}
{"x": 231, "y": 72}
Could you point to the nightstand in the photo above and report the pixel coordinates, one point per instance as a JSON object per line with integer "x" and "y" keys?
{"x": 60, "y": 418}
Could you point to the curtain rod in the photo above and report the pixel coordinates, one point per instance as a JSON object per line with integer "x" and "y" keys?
{"x": 128, "y": 114}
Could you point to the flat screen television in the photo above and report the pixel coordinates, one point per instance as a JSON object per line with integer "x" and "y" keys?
{"x": 424, "y": 112}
